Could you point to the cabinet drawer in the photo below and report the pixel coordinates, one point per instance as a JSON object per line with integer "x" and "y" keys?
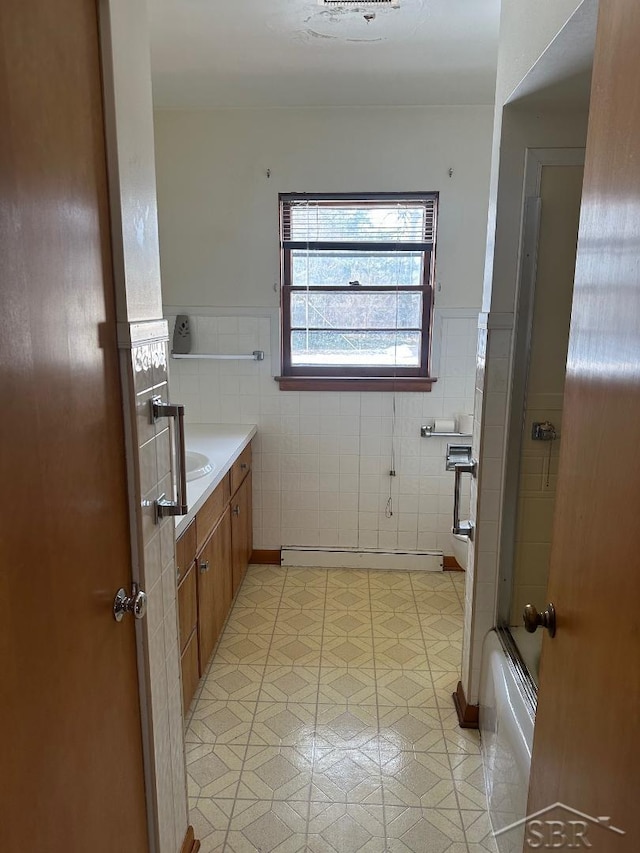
{"x": 240, "y": 469}
{"x": 186, "y": 550}
{"x": 211, "y": 512}
{"x": 187, "y": 606}
{"x": 190, "y": 671}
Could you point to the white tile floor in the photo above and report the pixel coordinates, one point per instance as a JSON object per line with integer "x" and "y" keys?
{"x": 325, "y": 722}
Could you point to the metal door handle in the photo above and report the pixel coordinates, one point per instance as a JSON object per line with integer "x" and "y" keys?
{"x": 533, "y": 620}
{"x": 236, "y": 510}
{"x": 243, "y": 466}
{"x": 135, "y": 603}
{"x": 462, "y": 528}
{"x": 203, "y": 566}
{"x": 165, "y": 507}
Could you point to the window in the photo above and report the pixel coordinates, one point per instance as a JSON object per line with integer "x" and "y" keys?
{"x": 357, "y": 290}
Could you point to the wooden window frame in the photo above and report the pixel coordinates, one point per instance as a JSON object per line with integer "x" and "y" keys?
{"x": 357, "y": 377}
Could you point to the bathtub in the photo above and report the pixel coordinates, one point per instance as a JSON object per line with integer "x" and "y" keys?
{"x": 507, "y": 712}
{"x": 460, "y": 549}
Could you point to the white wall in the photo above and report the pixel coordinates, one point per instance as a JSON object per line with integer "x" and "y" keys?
{"x": 219, "y": 211}
{"x": 322, "y": 459}
{"x": 527, "y": 27}
{"x": 128, "y": 108}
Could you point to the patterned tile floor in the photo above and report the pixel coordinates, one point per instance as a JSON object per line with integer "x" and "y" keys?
{"x": 325, "y": 723}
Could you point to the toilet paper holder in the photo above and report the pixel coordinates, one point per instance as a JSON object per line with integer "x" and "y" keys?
{"x": 460, "y": 426}
{"x": 457, "y": 454}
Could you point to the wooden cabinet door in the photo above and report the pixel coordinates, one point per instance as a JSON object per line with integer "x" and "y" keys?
{"x": 187, "y": 606}
{"x": 222, "y": 571}
{"x": 190, "y": 671}
{"x": 214, "y": 587}
{"x": 242, "y": 531}
{"x": 186, "y": 550}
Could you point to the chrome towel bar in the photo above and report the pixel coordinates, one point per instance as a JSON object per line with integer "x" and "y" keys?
{"x": 256, "y": 355}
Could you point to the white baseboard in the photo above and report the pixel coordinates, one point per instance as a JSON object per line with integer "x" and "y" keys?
{"x": 352, "y": 558}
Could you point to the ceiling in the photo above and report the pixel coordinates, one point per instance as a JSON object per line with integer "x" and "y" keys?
{"x": 283, "y": 53}
{"x": 562, "y": 75}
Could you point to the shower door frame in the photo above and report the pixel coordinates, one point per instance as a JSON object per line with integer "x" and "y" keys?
{"x": 535, "y": 161}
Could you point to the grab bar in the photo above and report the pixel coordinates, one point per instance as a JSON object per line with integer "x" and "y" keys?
{"x": 462, "y": 528}
{"x": 164, "y": 507}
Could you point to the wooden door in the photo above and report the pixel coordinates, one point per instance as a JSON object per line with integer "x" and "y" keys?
{"x": 214, "y": 587}
{"x": 587, "y": 735}
{"x": 241, "y": 531}
{"x": 72, "y": 772}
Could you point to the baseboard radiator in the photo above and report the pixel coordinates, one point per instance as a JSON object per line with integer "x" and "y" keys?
{"x": 363, "y": 558}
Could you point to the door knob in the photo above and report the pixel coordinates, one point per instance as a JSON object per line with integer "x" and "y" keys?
{"x": 135, "y": 603}
{"x": 533, "y": 619}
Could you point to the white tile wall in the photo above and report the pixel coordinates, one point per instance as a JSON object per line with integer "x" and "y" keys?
{"x": 322, "y": 459}
{"x": 146, "y": 367}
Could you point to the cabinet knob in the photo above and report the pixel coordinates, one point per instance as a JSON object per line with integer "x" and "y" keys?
{"x": 204, "y": 566}
{"x": 236, "y": 510}
{"x": 243, "y": 466}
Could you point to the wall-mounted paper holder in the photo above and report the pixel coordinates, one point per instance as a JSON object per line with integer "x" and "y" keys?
{"x": 457, "y": 454}
{"x": 427, "y": 431}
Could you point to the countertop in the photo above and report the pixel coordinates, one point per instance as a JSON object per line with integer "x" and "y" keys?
{"x": 222, "y": 443}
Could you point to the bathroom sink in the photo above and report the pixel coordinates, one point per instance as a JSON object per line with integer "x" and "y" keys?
{"x": 198, "y": 465}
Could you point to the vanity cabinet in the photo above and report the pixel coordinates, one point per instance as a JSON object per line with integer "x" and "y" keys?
{"x": 212, "y": 556}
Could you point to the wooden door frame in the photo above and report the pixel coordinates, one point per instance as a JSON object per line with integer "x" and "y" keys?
{"x": 536, "y": 159}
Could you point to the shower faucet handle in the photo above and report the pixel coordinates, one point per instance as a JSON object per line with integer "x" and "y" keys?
{"x": 533, "y": 620}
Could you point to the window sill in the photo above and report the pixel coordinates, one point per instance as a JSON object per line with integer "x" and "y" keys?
{"x": 353, "y": 383}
